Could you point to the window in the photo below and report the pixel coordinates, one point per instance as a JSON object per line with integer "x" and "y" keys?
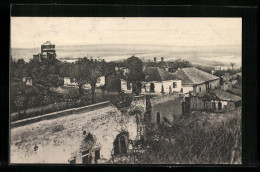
{"x": 213, "y": 105}
{"x": 97, "y": 154}
{"x": 174, "y": 85}
{"x": 128, "y": 85}
{"x": 219, "y": 105}
{"x": 152, "y": 87}
{"x": 200, "y": 89}
{"x": 86, "y": 157}
{"x": 158, "y": 118}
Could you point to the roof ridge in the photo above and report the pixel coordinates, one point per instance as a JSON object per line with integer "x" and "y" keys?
{"x": 187, "y": 75}
{"x": 160, "y": 73}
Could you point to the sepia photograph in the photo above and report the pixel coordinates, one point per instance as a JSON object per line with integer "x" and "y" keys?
{"x": 125, "y": 90}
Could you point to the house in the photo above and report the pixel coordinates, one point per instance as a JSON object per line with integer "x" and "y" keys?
{"x": 216, "y": 100}
{"x": 197, "y": 80}
{"x": 156, "y": 81}
{"x": 27, "y": 81}
{"x": 166, "y": 108}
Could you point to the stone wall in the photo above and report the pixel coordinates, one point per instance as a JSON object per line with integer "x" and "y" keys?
{"x": 58, "y": 140}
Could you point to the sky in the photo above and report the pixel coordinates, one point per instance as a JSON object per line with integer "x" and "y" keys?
{"x": 30, "y": 32}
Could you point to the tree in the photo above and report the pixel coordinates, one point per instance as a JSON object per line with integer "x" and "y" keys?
{"x": 79, "y": 73}
{"x": 181, "y": 64}
{"x": 135, "y": 72}
{"x": 135, "y": 67}
{"x": 122, "y": 102}
{"x": 86, "y": 71}
{"x": 94, "y": 72}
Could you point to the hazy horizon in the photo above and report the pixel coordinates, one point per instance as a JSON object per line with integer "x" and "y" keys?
{"x": 197, "y": 39}
{"x": 203, "y": 55}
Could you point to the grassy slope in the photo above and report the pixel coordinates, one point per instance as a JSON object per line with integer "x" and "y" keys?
{"x": 198, "y": 138}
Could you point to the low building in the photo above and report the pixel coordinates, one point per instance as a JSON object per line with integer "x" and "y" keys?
{"x": 166, "y": 109}
{"x": 215, "y": 100}
{"x": 157, "y": 80}
{"x": 197, "y": 80}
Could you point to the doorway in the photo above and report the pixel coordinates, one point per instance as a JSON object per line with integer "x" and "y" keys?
{"x": 152, "y": 87}
{"x": 158, "y": 118}
{"x": 219, "y": 106}
{"x": 121, "y": 143}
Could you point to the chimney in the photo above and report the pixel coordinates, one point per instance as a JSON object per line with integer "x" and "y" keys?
{"x": 154, "y": 59}
{"x": 162, "y": 59}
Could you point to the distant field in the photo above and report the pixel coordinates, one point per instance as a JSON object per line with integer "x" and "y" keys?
{"x": 204, "y": 55}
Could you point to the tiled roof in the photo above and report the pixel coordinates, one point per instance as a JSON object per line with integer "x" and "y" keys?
{"x": 158, "y": 74}
{"x": 193, "y": 76}
{"x": 218, "y": 94}
{"x": 223, "y": 95}
{"x": 235, "y": 91}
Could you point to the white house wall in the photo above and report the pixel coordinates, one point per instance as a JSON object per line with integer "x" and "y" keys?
{"x": 166, "y": 86}
{"x": 124, "y": 86}
{"x": 101, "y": 81}
{"x": 187, "y": 89}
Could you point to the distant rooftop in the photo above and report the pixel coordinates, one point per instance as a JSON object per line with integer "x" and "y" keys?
{"x": 193, "y": 76}
{"x": 158, "y": 74}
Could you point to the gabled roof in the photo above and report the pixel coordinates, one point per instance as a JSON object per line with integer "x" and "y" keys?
{"x": 158, "y": 74}
{"x": 193, "y": 76}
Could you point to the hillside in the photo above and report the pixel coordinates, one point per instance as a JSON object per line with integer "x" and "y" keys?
{"x": 208, "y": 55}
